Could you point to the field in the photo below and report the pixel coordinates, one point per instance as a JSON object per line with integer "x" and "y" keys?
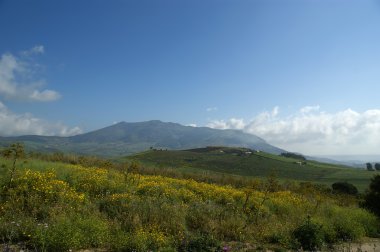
{"x": 231, "y": 161}
{"x": 56, "y": 206}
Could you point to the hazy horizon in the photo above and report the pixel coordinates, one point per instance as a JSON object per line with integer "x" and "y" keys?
{"x": 303, "y": 75}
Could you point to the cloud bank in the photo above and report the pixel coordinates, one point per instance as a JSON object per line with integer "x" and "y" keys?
{"x": 18, "y": 83}
{"x": 16, "y": 79}
{"x": 12, "y": 124}
{"x": 314, "y": 132}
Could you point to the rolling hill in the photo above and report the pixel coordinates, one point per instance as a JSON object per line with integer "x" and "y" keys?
{"x": 128, "y": 138}
{"x": 248, "y": 163}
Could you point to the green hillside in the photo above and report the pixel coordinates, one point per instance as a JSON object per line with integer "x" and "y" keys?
{"x": 245, "y": 162}
{"x": 55, "y": 206}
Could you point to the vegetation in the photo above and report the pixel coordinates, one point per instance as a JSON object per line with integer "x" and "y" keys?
{"x": 377, "y": 166}
{"x": 293, "y": 155}
{"x": 15, "y": 151}
{"x": 344, "y": 187}
{"x": 369, "y": 167}
{"x": 309, "y": 235}
{"x": 244, "y": 163}
{"x": 372, "y": 196}
{"x": 54, "y": 206}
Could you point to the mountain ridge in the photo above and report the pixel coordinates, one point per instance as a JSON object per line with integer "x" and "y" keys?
{"x": 125, "y": 138}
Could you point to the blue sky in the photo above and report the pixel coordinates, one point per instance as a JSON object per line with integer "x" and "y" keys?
{"x": 302, "y": 74}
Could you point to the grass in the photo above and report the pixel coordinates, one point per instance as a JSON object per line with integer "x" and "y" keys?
{"x": 258, "y": 164}
{"x": 54, "y": 206}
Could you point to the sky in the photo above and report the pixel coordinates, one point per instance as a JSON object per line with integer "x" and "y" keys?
{"x": 302, "y": 74}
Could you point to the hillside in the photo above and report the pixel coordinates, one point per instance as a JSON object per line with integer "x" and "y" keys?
{"x": 52, "y": 206}
{"x": 245, "y": 162}
{"x": 128, "y": 138}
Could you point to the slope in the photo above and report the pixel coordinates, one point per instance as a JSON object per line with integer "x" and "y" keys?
{"x": 128, "y": 138}
{"x": 245, "y": 162}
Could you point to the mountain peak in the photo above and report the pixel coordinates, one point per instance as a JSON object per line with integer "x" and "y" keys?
{"x": 125, "y": 138}
{"x": 143, "y": 122}
{"x": 139, "y": 136}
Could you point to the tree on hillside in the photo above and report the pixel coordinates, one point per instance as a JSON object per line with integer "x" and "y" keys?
{"x": 372, "y": 197}
{"x": 344, "y": 187}
{"x": 369, "y": 167}
{"x": 377, "y": 167}
{"x": 293, "y": 155}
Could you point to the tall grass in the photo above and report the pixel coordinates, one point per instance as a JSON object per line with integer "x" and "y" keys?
{"x": 53, "y": 206}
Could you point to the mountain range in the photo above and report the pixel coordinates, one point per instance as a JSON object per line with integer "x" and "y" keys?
{"x": 128, "y": 138}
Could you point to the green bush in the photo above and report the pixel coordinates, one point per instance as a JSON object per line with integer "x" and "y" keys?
{"x": 16, "y": 228}
{"x": 345, "y": 188}
{"x": 372, "y": 197}
{"x": 309, "y": 235}
{"x": 200, "y": 217}
{"x": 71, "y": 232}
{"x": 348, "y": 224}
{"x": 346, "y": 228}
{"x": 203, "y": 242}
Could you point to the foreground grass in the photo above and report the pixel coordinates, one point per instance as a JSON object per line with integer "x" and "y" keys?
{"x": 51, "y": 206}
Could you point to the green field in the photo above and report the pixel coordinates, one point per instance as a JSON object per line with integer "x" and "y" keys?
{"x": 236, "y": 161}
{"x": 56, "y": 206}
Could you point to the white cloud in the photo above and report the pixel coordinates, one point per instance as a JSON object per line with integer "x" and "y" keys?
{"x": 211, "y": 109}
{"x": 232, "y": 123}
{"x": 45, "y": 95}
{"x": 309, "y": 109}
{"x": 38, "y": 49}
{"x": 219, "y": 124}
{"x": 275, "y": 111}
{"x": 12, "y": 124}
{"x": 192, "y": 125}
{"x": 16, "y": 79}
{"x": 311, "y": 131}
{"x": 17, "y": 82}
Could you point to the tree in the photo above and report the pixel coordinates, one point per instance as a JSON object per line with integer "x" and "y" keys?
{"x": 377, "y": 167}
{"x": 372, "y": 196}
{"x": 369, "y": 167}
{"x": 309, "y": 235}
{"x": 344, "y": 187}
{"x": 293, "y": 155}
{"x": 15, "y": 151}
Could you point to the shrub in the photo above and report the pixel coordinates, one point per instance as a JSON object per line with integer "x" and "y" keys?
{"x": 203, "y": 242}
{"x": 348, "y": 224}
{"x": 35, "y": 194}
{"x": 15, "y": 228}
{"x": 71, "y": 232}
{"x": 200, "y": 217}
{"x": 372, "y": 197}
{"x": 309, "y": 235}
{"x": 345, "y": 188}
{"x": 293, "y": 155}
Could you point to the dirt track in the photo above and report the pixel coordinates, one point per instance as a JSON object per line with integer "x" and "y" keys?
{"x": 370, "y": 245}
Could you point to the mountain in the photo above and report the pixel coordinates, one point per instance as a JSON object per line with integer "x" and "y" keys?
{"x": 128, "y": 138}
